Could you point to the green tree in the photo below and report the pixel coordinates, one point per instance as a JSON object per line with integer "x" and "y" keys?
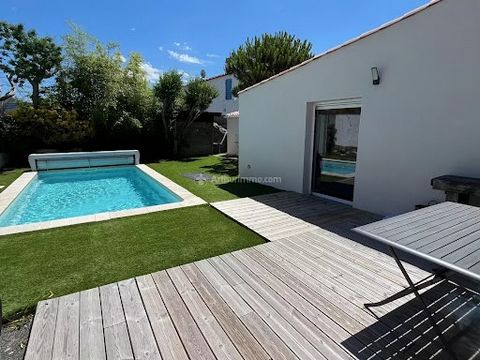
{"x": 203, "y": 74}
{"x": 52, "y": 126}
{"x": 28, "y": 128}
{"x": 262, "y": 57}
{"x": 136, "y": 103}
{"x": 168, "y": 91}
{"x": 102, "y": 86}
{"x": 25, "y": 56}
{"x": 181, "y": 105}
{"x": 90, "y": 80}
{"x": 7, "y": 95}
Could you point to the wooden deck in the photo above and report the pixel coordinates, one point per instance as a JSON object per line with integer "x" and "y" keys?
{"x": 298, "y": 297}
{"x": 279, "y": 215}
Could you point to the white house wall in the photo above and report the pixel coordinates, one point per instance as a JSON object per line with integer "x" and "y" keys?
{"x": 220, "y": 104}
{"x": 232, "y": 136}
{"x": 420, "y": 122}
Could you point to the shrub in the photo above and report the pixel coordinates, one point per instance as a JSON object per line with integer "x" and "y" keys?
{"x": 32, "y": 128}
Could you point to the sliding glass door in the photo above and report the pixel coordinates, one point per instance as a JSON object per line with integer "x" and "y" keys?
{"x": 335, "y": 152}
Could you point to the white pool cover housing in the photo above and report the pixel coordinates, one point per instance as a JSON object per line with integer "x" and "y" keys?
{"x": 71, "y": 160}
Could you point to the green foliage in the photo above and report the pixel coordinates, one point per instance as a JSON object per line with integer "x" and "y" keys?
{"x": 90, "y": 80}
{"x": 262, "y": 57}
{"x": 136, "y": 96}
{"x": 168, "y": 91}
{"x": 181, "y": 105}
{"x": 40, "y": 127}
{"x": 24, "y": 56}
{"x": 99, "y": 99}
{"x": 197, "y": 97}
{"x": 115, "y": 97}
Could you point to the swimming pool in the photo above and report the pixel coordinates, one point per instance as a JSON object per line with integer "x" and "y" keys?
{"x": 64, "y": 194}
{"x": 338, "y": 168}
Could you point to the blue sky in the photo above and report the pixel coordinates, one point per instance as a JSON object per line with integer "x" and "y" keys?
{"x": 190, "y": 35}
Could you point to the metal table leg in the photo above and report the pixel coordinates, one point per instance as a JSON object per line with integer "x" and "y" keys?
{"x": 414, "y": 288}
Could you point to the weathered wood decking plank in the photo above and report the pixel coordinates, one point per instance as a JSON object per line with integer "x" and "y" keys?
{"x": 372, "y": 278}
{"x": 292, "y": 338}
{"x": 331, "y": 333}
{"x": 290, "y": 210}
{"x": 192, "y": 338}
{"x": 359, "y": 284}
{"x": 373, "y": 259}
{"x": 381, "y": 270}
{"x": 67, "y": 332}
{"x": 303, "y": 327}
{"x": 168, "y": 341}
{"x": 218, "y": 340}
{"x": 42, "y": 335}
{"x": 92, "y": 340}
{"x": 381, "y": 258}
{"x": 117, "y": 340}
{"x": 141, "y": 335}
{"x": 354, "y": 319}
{"x": 257, "y": 327}
{"x": 243, "y": 340}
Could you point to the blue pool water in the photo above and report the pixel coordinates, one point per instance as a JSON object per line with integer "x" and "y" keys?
{"x": 63, "y": 194}
{"x": 338, "y": 167}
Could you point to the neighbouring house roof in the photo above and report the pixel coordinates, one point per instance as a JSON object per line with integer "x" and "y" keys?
{"x": 233, "y": 114}
{"x": 9, "y": 104}
{"x": 216, "y": 77}
{"x": 349, "y": 42}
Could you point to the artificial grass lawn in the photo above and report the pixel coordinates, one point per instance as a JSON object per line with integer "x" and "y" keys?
{"x": 9, "y": 176}
{"x": 42, "y": 264}
{"x": 222, "y": 168}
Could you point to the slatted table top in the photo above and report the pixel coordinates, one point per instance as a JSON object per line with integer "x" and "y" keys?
{"x": 447, "y": 234}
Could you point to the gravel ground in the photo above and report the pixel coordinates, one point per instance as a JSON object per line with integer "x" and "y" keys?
{"x": 14, "y": 337}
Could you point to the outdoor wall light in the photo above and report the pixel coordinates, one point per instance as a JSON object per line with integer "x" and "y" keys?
{"x": 375, "y": 76}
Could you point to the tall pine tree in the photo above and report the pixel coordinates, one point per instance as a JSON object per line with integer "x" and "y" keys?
{"x": 262, "y": 57}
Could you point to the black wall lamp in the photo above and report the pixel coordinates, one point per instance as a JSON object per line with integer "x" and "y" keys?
{"x": 375, "y": 76}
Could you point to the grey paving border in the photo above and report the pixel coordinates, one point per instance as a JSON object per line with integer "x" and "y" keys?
{"x": 12, "y": 191}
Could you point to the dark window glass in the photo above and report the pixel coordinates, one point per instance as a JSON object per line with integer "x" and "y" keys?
{"x": 335, "y": 152}
{"x": 228, "y": 89}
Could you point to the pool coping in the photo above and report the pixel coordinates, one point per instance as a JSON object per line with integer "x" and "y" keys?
{"x": 8, "y": 195}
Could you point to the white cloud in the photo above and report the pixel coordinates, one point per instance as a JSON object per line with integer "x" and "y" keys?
{"x": 213, "y": 55}
{"x": 160, "y": 48}
{"x": 123, "y": 58}
{"x": 185, "y": 75}
{"x": 151, "y": 72}
{"x": 132, "y": 29}
{"x": 182, "y": 46}
{"x": 185, "y": 58}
